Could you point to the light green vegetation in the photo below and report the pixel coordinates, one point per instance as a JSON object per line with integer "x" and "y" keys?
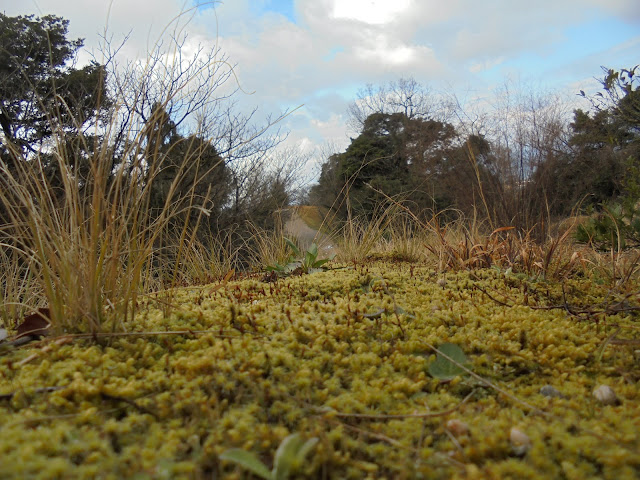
{"x": 343, "y": 356}
{"x": 288, "y": 458}
{"x": 306, "y": 262}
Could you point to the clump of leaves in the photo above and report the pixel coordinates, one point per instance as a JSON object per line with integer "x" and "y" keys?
{"x": 298, "y": 262}
{"x": 443, "y": 368}
{"x": 288, "y": 459}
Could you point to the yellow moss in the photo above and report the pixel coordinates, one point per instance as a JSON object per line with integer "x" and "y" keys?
{"x": 304, "y": 352}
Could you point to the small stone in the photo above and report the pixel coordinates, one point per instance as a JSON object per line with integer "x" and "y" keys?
{"x": 457, "y": 427}
{"x": 520, "y": 442}
{"x": 605, "y": 395}
{"x": 549, "y": 391}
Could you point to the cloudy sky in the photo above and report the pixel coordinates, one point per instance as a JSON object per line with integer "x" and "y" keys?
{"x": 318, "y": 53}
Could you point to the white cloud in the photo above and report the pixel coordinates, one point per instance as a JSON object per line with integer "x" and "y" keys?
{"x": 382, "y": 48}
{"x": 369, "y": 11}
{"x": 336, "y": 46}
{"x": 478, "y": 67}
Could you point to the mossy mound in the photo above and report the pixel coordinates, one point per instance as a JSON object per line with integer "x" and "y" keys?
{"x": 306, "y": 354}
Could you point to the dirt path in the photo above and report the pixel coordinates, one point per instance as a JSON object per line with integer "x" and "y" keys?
{"x": 296, "y": 227}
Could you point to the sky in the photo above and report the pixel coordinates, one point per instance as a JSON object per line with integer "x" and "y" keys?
{"x": 317, "y": 54}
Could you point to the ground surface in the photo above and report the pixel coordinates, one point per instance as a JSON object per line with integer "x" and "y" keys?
{"x": 343, "y": 356}
{"x": 302, "y": 223}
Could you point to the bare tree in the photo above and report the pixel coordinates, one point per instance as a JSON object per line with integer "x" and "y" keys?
{"x": 525, "y": 129}
{"x": 405, "y": 96}
{"x": 172, "y": 94}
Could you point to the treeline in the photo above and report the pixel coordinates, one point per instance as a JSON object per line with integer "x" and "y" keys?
{"x": 170, "y": 124}
{"x": 520, "y": 164}
{"x": 170, "y": 127}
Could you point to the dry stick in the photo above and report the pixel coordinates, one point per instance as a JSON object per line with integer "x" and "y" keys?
{"x": 140, "y": 408}
{"x": 69, "y": 338}
{"x": 36, "y": 420}
{"x": 9, "y": 396}
{"x": 407, "y": 415}
{"x": 145, "y": 334}
{"x": 608, "y": 310}
{"x": 394, "y": 442}
{"x": 47, "y": 348}
{"x": 499, "y": 302}
{"x": 624, "y": 341}
{"x": 606, "y": 342}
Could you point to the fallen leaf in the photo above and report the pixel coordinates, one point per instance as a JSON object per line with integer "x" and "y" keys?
{"x": 36, "y": 324}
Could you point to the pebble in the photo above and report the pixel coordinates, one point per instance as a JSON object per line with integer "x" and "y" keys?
{"x": 457, "y": 427}
{"x": 549, "y": 391}
{"x": 605, "y": 395}
{"x": 520, "y": 442}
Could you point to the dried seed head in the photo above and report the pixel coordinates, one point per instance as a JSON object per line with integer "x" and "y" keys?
{"x": 605, "y": 395}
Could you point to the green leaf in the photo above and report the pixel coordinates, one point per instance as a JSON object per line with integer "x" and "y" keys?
{"x": 309, "y": 259}
{"x": 290, "y": 455}
{"x": 319, "y": 263}
{"x": 293, "y": 247}
{"x": 443, "y": 368}
{"x": 313, "y": 251}
{"x": 306, "y": 448}
{"x": 247, "y": 460}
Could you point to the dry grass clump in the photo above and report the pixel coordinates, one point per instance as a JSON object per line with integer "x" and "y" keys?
{"x": 404, "y": 240}
{"x": 91, "y": 242}
{"x": 359, "y": 237}
{"x": 267, "y": 247}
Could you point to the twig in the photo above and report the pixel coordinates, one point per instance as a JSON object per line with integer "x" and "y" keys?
{"x": 45, "y": 349}
{"x": 394, "y": 442}
{"x": 377, "y": 314}
{"x": 499, "y": 302}
{"x": 75, "y": 336}
{"x": 624, "y": 341}
{"x": 9, "y": 396}
{"x": 157, "y": 333}
{"x": 392, "y": 416}
{"x": 606, "y": 342}
{"x": 140, "y": 408}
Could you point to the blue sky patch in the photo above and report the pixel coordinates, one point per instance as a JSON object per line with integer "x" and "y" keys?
{"x": 283, "y": 7}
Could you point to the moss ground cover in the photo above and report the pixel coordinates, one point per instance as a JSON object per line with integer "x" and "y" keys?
{"x": 342, "y": 356}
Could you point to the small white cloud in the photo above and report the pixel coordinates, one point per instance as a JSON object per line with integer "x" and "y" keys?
{"x": 485, "y": 65}
{"x": 387, "y": 54}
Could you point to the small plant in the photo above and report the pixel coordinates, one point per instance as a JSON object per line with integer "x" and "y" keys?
{"x": 617, "y": 227}
{"x": 289, "y": 457}
{"x": 444, "y": 369}
{"x": 297, "y": 262}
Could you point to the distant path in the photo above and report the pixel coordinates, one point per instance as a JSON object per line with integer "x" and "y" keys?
{"x": 297, "y": 227}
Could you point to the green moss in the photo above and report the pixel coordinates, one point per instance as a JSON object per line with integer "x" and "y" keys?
{"x": 307, "y": 350}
